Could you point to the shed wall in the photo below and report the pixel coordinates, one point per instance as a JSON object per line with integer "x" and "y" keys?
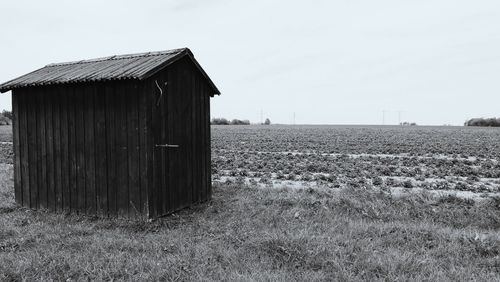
{"x": 180, "y": 116}
{"x": 90, "y": 147}
{"x": 81, "y": 148}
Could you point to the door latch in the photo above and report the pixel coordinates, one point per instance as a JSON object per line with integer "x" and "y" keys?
{"x": 167, "y": 146}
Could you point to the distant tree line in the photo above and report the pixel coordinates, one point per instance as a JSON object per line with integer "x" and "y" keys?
{"x": 6, "y": 117}
{"x": 408, "y": 123}
{"x": 223, "y": 121}
{"x": 493, "y": 122}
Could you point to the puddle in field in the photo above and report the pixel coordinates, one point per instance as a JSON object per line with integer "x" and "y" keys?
{"x": 397, "y": 191}
{"x": 261, "y": 183}
{"x": 318, "y": 179}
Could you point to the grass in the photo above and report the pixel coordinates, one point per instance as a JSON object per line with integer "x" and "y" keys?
{"x": 5, "y": 133}
{"x": 257, "y": 234}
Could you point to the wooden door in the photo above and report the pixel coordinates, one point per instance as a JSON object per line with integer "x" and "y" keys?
{"x": 171, "y": 145}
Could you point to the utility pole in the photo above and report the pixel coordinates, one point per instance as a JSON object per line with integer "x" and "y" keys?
{"x": 399, "y": 117}
{"x": 293, "y": 118}
{"x": 261, "y": 116}
{"x": 383, "y": 117}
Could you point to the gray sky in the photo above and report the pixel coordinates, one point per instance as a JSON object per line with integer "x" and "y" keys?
{"x": 438, "y": 61}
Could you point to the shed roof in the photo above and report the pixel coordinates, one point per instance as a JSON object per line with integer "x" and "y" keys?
{"x": 132, "y": 66}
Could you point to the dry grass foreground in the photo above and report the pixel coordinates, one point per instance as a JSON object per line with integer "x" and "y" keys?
{"x": 260, "y": 234}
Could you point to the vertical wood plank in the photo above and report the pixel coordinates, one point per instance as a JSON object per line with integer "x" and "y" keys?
{"x": 195, "y": 139}
{"x": 171, "y": 175}
{"x": 208, "y": 154}
{"x": 67, "y": 147}
{"x": 179, "y": 127}
{"x": 132, "y": 107}
{"x": 165, "y": 188}
{"x": 72, "y": 106}
{"x": 192, "y": 140}
{"x": 25, "y": 159}
{"x": 156, "y": 195}
{"x": 151, "y": 138}
{"x": 57, "y": 140}
{"x": 41, "y": 148}
{"x": 122, "y": 150}
{"x": 32, "y": 143}
{"x": 18, "y": 189}
{"x": 143, "y": 149}
{"x": 89, "y": 154}
{"x": 49, "y": 133}
{"x": 80, "y": 148}
{"x": 100, "y": 150}
{"x": 187, "y": 137}
{"x": 150, "y": 143}
{"x": 179, "y": 161}
{"x": 111, "y": 152}
{"x": 203, "y": 190}
{"x": 199, "y": 139}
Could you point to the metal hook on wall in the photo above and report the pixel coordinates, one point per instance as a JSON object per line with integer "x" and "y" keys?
{"x": 161, "y": 92}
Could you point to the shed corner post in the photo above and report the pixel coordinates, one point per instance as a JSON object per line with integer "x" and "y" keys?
{"x": 17, "y": 152}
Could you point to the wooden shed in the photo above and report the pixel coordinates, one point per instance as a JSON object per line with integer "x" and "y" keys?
{"x": 120, "y": 136}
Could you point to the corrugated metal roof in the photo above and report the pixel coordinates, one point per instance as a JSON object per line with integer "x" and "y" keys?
{"x": 132, "y": 66}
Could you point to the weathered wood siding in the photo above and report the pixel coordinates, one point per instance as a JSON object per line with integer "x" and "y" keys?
{"x": 78, "y": 148}
{"x": 180, "y": 115}
{"x": 89, "y": 148}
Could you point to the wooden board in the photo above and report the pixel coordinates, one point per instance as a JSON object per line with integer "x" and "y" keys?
{"x": 24, "y": 147}
{"x": 58, "y": 155}
{"x": 48, "y": 102}
{"x": 207, "y": 139}
{"x": 192, "y": 136}
{"x": 152, "y": 194}
{"x": 18, "y": 189}
{"x": 32, "y": 151}
{"x": 41, "y": 163}
{"x": 122, "y": 195}
{"x": 143, "y": 150}
{"x": 111, "y": 149}
{"x": 89, "y": 150}
{"x": 132, "y": 115}
{"x": 166, "y": 188}
{"x": 67, "y": 168}
{"x": 155, "y": 191}
{"x": 203, "y": 188}
{"x": 72, "y": 103}
{"x": 100, "y": 152}
{"x": 199, "y": 141}
{"x": 172, "y": 165}
{"x": 80, "y": 150}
